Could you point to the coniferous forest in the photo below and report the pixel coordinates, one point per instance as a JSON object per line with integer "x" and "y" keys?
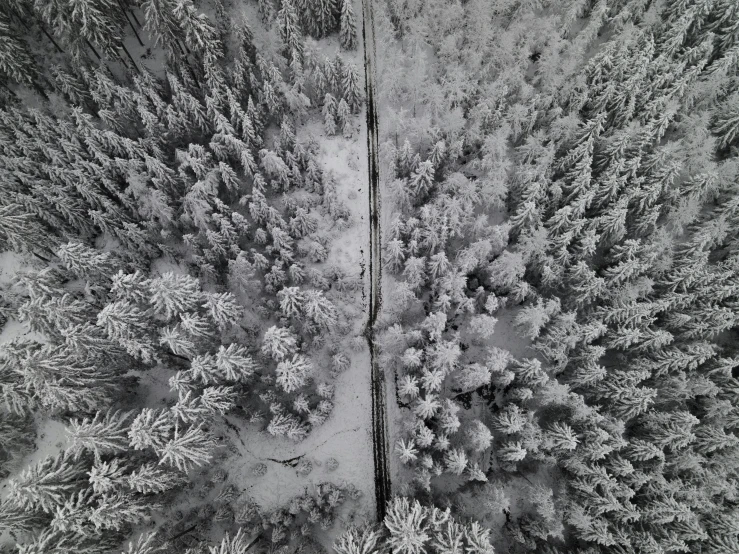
{"x": 369, "y": 277}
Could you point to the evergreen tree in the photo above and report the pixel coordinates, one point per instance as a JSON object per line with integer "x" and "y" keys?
{"x": 289, "y": 29}
{"x": 350, "y": 87}
{"x": 150, "y": 429}
{"x": 171, "y": 294}
{"x": 21, "y": 231}
{"x": 45, "y": 485}
{"x": 153, "y": 479}
{"x": 86, "y": 262}
{"x": 15, "y": 62}
{"x": 187, "y": 449}
{"x": 103, "y": 434}
{"x": 405, "y": 523}
{"x": 292, "y": 373}
{"x": 348, "y": 26}
{"x": 329, "y": 114}
{"x": 278, "y": 343}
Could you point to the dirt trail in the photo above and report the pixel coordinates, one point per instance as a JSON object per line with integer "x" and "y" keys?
{"x": 379, "y": 417}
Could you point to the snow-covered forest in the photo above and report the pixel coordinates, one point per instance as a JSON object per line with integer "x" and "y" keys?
{"x": 401, "y": 276}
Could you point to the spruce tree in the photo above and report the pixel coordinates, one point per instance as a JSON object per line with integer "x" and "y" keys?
{"x": 348, "y": 26}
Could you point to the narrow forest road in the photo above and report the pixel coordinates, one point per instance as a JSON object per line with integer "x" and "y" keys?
{"x": 379, "y": 417}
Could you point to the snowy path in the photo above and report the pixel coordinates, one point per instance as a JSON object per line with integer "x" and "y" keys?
{"x": 379, "y": 417}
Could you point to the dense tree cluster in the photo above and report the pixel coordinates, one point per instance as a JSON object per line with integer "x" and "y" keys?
{"x": 605, "y": 132}
{"x": 113, "y": 163}
{"x": 411, "y": 528}
{"x": 561, "y": 308}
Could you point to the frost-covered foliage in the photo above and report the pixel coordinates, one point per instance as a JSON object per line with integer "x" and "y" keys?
{"x": 117, "y": 161}
{"x": 560, "y": 259}
{"x": 569, "y": 168}
{"x": 412, "y": 528}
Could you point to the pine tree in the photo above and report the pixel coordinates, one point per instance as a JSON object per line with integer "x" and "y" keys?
{"x": 275, "y": 167}
{"x": 511, "y": 452}
{"x": 151, "y": 429}
{"x": 533, "y": 318}
{"x": 343, "y": 114}
{"x": 94, "y": 22}
{"x": 218, "y": 400}
{"x": 406, "y": 450}
{"x": 145, "y": 544}
{"x": 456, "y": 461}
{"x": 189, "y": 408}
{"x": 350, "y": 87}
{"x": 358, "y": 541}
{"x": 232, "y": 545}
{"x": 106, "y": 477}
{"x": 222, "y": 309}
{"x": 86, "y": 262}
{"x": 127, "y": 325}
{"x": 15, "y": 63}
{"x": 427, "y": 406}
{"x": 422, "y": 178}
{"x": 103, "y": 434}
{"x": 133, "y": 287}
{"x": 287, "y": 20}
{"x": 198, "y": 31}
{"x": 20, "y": 231}
{"x": 479, "y": 436}
{"x": 319, "y": 309}
{"x": 292, "y": 373}
{"x": 408, "y": 386}
{"x": 153, "y": 479}
{"x": 530, "y": 373}
{"x": 329, "y": 114}
{"x": 46, "y": 485}
{"x": 187, "y": 449}
{"x": 348, "y": 26}
{"x": 15, "y": 519}
{"x": 173, "y": 294}
{"x": 726, "y": 124}
{"x": 405, "y": 523}
{"x": 119, "y": 511}
{"x": 278, "y": 343}
{"x": 235, "y": 363}
{"x": 291, "y": 301}
{"x": 510, "y": 420}
{"x": 472, "y": 377}
{"x": 561, "y": 438}
{"x": 177, "y": 340}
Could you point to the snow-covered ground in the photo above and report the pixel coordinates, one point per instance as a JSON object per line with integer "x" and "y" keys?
{"x": 346, "y": 435}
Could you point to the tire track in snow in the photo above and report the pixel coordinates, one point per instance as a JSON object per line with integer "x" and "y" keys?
{"x": 379, "y": 417}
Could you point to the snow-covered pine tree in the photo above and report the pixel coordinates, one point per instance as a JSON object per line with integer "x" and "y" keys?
{"x": 86, "y": 262}
{"x": 46, "y": 485}
{"x": 329, "y": 114}
{"x": 15, "y": 62}
{"x": 350, "y": 83}
{"x": 279, "y": 343}
{"x": 289, "y": 28}
{"x": 347, "y": 26}
{"x": 188, "y": 448}
{"x": 293, "y": 373}
{"x": 103, "y": 434}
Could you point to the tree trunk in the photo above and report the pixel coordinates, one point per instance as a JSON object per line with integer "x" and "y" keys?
{"x": 51, "y": 38}
{"x": 130, "y": 9}
{"x": 130, "y": 57}
{"x": 135, "y": 32}
{"x": 89, "y": 44}
{"x": 40, "y": 257}
{"x": 12, "y": 94}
